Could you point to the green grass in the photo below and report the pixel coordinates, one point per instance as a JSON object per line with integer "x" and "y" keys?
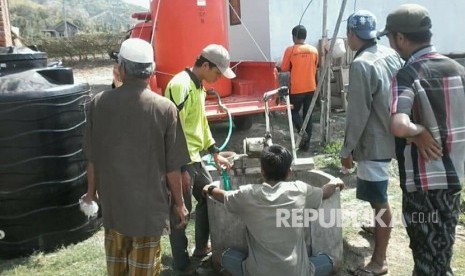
{"x": 88, "y": 257}
{"x": 357, "y": 247}
{"x": 85, "y": 258}
{"x": 329, "y": 159}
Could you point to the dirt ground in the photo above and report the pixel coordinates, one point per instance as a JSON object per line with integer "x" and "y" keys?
{"x": 357, "y": 244}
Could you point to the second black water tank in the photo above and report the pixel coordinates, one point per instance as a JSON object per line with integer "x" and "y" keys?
{"x": 42, "y": 165}
{"x": 17, "y": 59}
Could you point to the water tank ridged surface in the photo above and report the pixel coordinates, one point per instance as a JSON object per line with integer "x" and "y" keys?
{"x": 42, "y": 165}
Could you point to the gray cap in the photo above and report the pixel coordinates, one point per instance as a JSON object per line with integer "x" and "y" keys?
{"x": 363, "y": 23}
{"x": 408, "y": 18}
{"x": 218, "y": 55}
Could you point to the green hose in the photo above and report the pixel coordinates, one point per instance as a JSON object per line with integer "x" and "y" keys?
{"x": 225, "y": 176}
{"x": 226, "y": 141}
{"x": 224, "y": 173}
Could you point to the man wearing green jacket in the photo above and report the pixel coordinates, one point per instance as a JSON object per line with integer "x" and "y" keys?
{"x": 186, "y": 91}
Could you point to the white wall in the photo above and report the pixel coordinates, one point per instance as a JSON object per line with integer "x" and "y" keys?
{"x": 273, "y": 25}
{"x": 447, "y": 18}
{"x": 255, "y": 16}
{"x": 285, "y": 16}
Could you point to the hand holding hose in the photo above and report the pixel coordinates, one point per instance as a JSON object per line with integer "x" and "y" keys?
{"x": 221, "y": 163}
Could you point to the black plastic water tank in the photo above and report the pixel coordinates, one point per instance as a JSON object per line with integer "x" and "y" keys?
{"x": 42, "y": 165}
{"x": 17, "y": 59}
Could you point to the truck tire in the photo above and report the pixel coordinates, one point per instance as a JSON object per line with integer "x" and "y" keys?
{"x": 243, "y": 122}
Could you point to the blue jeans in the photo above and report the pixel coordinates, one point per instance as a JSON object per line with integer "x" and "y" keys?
{"x": 232, "y": 260}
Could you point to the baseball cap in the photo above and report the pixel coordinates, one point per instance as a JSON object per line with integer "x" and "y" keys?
{"x": 408, "y": 18}
{"x": 363, "y": 23}
{"x": 136, "y": 50}
{"x": 218, "y": 55}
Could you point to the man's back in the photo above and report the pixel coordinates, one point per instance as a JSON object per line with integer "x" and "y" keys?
{"x": 302, "y": 61}
{"x": 134, "y": 142}
{"x": 367, "y": 134}
{"x": 435, "y": 85}
{"x": 274, "y": 249}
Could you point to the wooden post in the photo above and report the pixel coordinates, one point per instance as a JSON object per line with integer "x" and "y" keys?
{"x": 5, "y": 27}
{"x": 323, "y": 72}
{"x": 327, "y": 64}
{"x": 327, "y": 86}
{"x": 326, "y": 93}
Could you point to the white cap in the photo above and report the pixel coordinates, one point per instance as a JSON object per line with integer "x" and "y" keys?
{"x": 136, "y": 50}
{"x": 218, "y": 55}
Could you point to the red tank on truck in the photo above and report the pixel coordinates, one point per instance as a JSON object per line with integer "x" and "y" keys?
{"x": 178, "y": 31}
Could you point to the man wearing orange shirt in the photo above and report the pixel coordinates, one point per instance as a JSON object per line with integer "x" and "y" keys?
{"x": 301, "y": 60}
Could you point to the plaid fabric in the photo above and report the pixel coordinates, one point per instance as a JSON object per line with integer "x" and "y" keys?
{"x": 132, "y": 255}
{"x": 430, "y": 89}
{"x": 431, "y": 218}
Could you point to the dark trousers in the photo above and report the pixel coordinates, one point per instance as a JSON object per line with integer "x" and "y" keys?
{"x": 431, "y": 218}
{"x": 301, "y": 102}
{"x": 178, "y": 238}
{"x": 199, "y": 178}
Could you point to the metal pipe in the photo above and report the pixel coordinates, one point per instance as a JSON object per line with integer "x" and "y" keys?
{"x": 267, "y": 119}
{"x": 291, "y": 126}
{"x": 283, "y": 91}
{"x": 154, "y": 21}
{"x": 326, "y": 65}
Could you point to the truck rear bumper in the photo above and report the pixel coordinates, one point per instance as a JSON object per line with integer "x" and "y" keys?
{"x": 239, "y": 106}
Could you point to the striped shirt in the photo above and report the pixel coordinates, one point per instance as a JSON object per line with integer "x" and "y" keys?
{"x": 430, "y": 89}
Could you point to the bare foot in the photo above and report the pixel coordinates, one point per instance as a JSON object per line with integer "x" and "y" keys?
{"x": 372, "y": 268}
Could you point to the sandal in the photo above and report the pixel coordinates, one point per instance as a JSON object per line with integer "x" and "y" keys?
{"x": 203, "y": 253}
{"x": 360, "y": 271}
{"x": 368, "y": 229}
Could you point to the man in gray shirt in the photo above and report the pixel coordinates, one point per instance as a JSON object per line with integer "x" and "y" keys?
{"x": 367, "y": 137}
{"x": 274, "y": 249}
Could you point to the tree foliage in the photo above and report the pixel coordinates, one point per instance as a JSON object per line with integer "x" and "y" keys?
{"x": 32, "y": 17}
{"x": 81, "y": 47}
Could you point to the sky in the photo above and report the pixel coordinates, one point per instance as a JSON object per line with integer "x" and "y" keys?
{"x": 142, "y": 3}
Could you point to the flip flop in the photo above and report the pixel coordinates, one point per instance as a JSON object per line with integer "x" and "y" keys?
{"x": 366, "y": 272}
{"x": 202, "y": 254}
